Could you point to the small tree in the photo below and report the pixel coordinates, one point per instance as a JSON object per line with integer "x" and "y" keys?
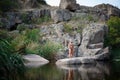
{"x": 113, "y": 38}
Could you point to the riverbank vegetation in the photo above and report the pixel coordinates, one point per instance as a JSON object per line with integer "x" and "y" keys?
{"x": 14, "y": 44}
{"x": 113, "y": 37}
{"x": 10, "y": 61}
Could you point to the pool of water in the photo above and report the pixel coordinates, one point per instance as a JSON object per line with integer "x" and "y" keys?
{"x": 98, "y": 71}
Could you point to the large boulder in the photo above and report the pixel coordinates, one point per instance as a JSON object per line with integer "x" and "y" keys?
{"x": 76, "y": 60}
{"x": 33, "y": 60}
{"x": 93, "y": 39}
{"x": 59, "y": 15}
{"x": 69, "y": 4}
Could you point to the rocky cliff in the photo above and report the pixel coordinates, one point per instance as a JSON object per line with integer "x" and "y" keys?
{"x": 85, "y": 26}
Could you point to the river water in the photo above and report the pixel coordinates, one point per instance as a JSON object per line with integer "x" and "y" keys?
{"x": 98, "y": 71}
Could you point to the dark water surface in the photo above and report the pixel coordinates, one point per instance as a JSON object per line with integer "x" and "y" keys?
{"x": 98, "y": 71}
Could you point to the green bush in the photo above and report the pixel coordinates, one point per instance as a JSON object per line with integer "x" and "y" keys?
{"x": 21, "y": 27}
{"x": 49, "y": 49}
{"x": 32, "y": 48}
{"x": 26, "y": 41}
{"x": 113, "y": 38}
{"x": 32, "y": 35}
{"x": 10, "y": 62}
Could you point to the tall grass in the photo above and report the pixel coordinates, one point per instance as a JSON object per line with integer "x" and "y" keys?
{"x": 49, "y": 49}
{"x": 10, "y": 62}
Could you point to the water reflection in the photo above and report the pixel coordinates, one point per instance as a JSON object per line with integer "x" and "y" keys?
{"x": 70, "y": 74}
{"x": 97, "y": 71}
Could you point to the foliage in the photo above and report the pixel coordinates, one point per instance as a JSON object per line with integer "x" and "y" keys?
{"x": 10, "y": 62}
{"x": 49, "y": 49}
{"x": 32, "y": 48}
{"x": 90, "y": 18}
{"x": 32, "y": 35}
{"x": 114, "y": 31}
{"x": 21, "y": 27}
{"x": 115, "y": 54}
{"x": 40, "y": 20}
{"x": 7, "y": 5}
{"x": 5, "y": 35}
{"x": 26, "y": 39}
{"x": 68, "y": 28}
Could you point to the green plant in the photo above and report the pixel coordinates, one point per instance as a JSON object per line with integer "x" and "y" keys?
{"x": 113, "y": 37}
{"x": 26, "y": 18}
{"x": 49, "y": 49}
{"x": 90, "y": 18}
{"x": 19, "y": 43}
{"x": 42, "y": 19}
{"x": 32, "y": 35}
{"x": 68, "y": 28}
{"x": 10, "y": 62}
{"x": 21, "y": 27}
{"x": 32, "y": 48}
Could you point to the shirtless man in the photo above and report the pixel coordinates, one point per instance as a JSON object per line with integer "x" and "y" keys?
{"x": 71, "y": 49}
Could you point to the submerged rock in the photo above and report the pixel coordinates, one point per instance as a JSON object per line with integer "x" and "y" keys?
{"x": 33, "y": 60}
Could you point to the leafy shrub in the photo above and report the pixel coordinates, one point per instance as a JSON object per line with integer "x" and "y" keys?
{"x": 10, "y": 62}
{"x": 19, "y": 43}
{"x": 21, "y": 27}
{"x": 26, "y": 39}
{"x": 32, "y": 48}
{"x": 32, "y": 35}
{"x": 114, "y": 31}
{"x": 49, "y": 49}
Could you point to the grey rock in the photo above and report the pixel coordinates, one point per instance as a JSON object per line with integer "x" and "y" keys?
{"x": 76, "y": 60}
{"x": 59, "y": 15}
{"x": 69, "y": 4}
{"x": 109, "y": 10}
{"x": 93, "y": 38}
{"x": 32, "y": 60}
{"x": 104, "y": 55}
{"x": 94, "y": 46}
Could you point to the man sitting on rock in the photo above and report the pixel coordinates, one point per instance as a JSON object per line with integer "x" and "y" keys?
{"x": 71, "y": 48}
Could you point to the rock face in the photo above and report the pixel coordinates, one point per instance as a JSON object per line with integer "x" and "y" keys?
{"x": 59, "y": 15}
{"x": 26, "y": 4}
{"x": 109, "y": 10}
{"x": 15, "y": 18}
{"x": 91, "y": 48}
{"x": 33, "y": 60}
{"x": 55, "y": 33}
{"x": 69, "y": 4}
{"x": 93, "y": 39}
